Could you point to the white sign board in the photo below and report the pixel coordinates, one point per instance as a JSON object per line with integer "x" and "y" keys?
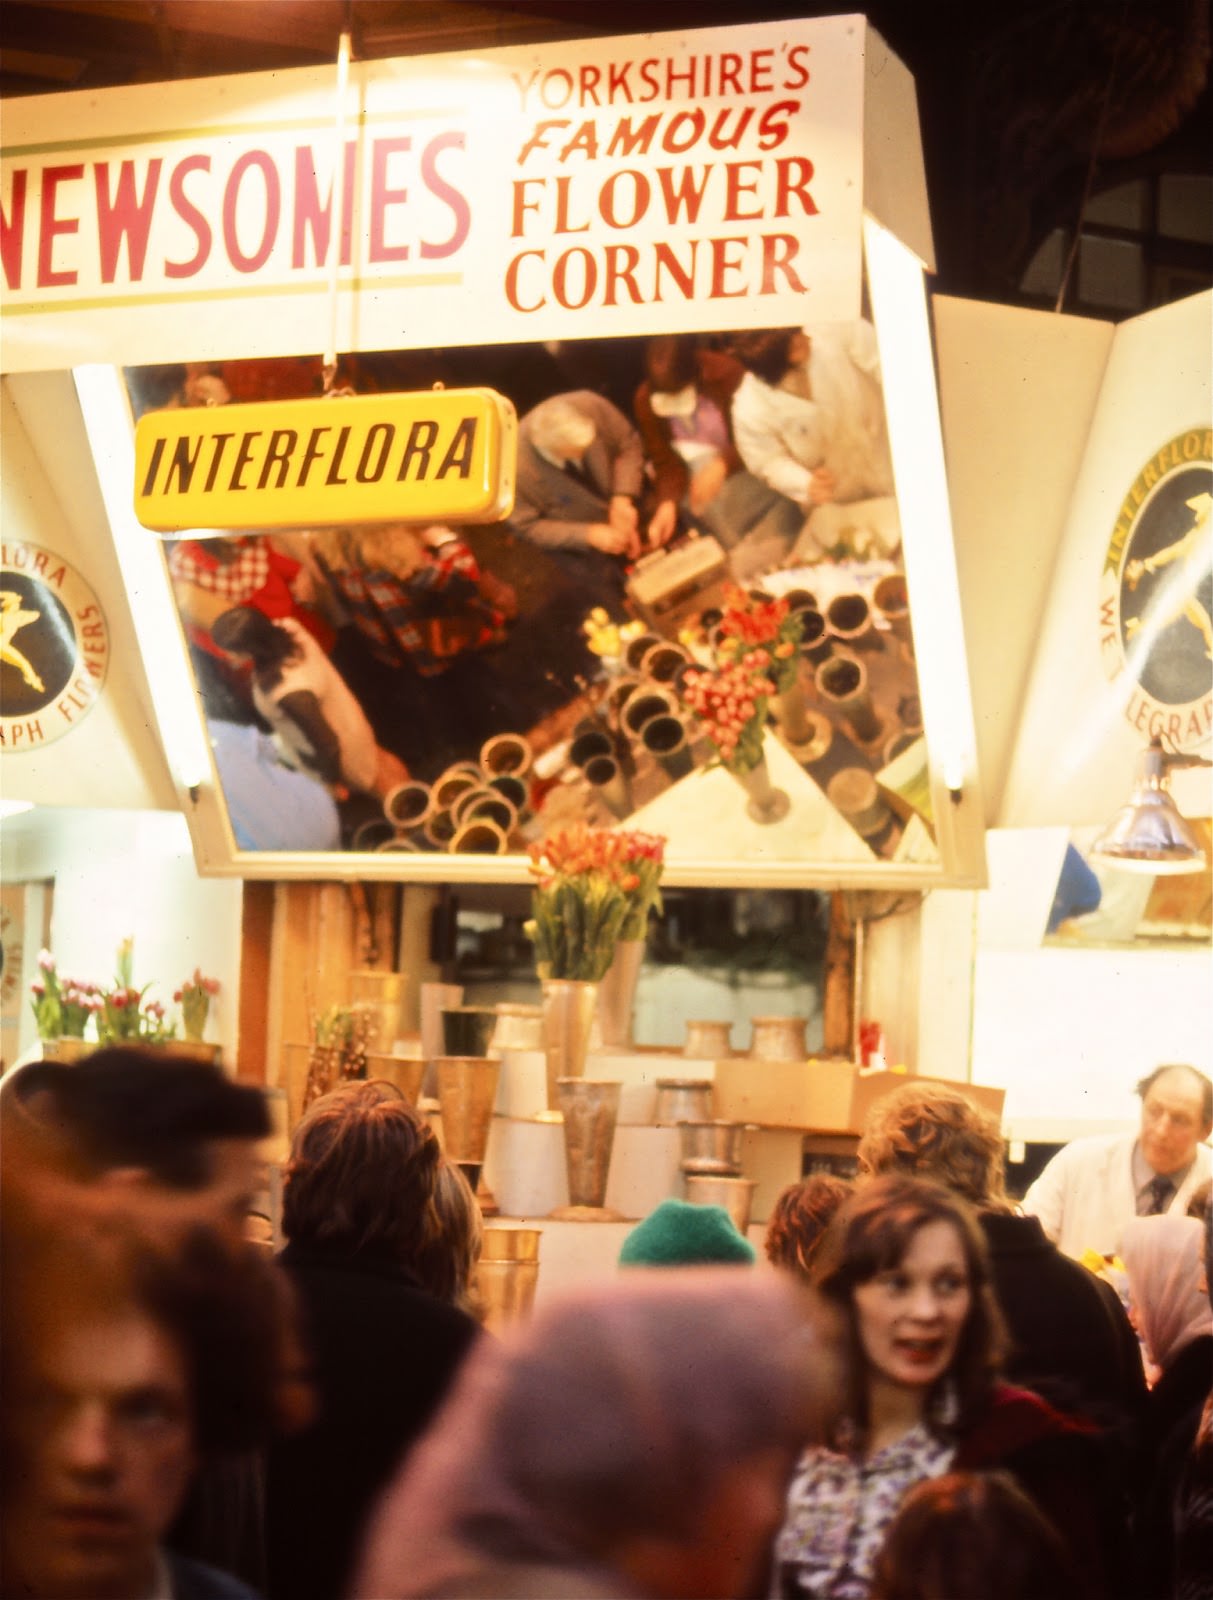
{"x": 630, "y": 185}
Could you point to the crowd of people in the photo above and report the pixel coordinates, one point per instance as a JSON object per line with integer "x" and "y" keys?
{"x": 920, "y": 1394}
{"x": 359, "y": 655}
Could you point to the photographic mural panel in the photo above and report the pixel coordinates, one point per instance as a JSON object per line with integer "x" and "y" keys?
{"x": 694, "y": 620}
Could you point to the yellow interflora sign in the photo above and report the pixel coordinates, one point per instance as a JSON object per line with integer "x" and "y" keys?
{"x": 444, "y": 455}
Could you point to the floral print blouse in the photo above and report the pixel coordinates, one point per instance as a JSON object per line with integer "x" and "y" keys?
{"x": 839, "y": 1510}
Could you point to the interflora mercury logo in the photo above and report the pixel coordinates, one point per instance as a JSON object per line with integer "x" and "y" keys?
{"x": 1156, "y": 594}
{"x": 54, "y": 647}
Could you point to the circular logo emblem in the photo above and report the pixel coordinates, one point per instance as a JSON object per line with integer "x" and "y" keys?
{"x": 54, "y": 647}
{"x": 1156, "y": 594}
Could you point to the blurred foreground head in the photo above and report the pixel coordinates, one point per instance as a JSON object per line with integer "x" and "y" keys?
{"x": 973, "y": 1533}
{"x": 636, "y": 1436}
{"x": 171, "y": 1143}
{"x": 122, "y": 1366}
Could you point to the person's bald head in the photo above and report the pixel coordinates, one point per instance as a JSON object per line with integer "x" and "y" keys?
{"x": 1176, "y": 1116}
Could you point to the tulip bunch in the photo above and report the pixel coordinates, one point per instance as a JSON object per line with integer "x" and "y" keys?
{"x": 763, "y": 635}
{"x": 124, "y": 1015}
{"x": 61, "y": 1006}
{"x": 194, "y": 998}
{"x": 731, "y": 705}
{"x": 594, "y": 887}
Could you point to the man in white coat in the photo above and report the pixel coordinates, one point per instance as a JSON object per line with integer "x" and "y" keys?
{"x": 1093, "y": 1187}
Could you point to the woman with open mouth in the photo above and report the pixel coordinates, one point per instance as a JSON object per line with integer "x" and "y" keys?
{"x": 906, "y": 1262}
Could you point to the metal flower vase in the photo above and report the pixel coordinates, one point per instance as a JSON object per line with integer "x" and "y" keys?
{"x": 766, "y": 803}
{"x": 617, "y": 994}
{"x": 568, "y": 1016}
{"x": 467, "y": 1090}
{"x": 590, "y": 1107}
{"x": 506, "y": 1275}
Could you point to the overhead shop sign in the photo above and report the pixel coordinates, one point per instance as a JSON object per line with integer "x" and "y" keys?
{"x": 657, "y": 183}
{"x": 430, "y": 456}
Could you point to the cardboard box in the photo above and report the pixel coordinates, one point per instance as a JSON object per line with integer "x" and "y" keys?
{"x": 824, "y": 1095}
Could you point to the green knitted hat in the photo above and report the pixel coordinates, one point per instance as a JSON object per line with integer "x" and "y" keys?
{"x": 679, "y": 1234}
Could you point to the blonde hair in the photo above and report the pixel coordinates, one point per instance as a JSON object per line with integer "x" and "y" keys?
{"x": 445, "y": 1260}
{"x": 927, "y": 1130}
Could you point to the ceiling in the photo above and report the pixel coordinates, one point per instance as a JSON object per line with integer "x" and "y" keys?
{"x": 53, "y": 45}
{"x": 1013, "y": 94}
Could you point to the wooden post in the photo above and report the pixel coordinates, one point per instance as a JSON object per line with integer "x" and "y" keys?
{"x": 838, "y": 999}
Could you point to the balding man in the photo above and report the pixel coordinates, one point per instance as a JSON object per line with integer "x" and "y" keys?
{"x": 580, "y": 476}
{"x": 1093, "y": 1187}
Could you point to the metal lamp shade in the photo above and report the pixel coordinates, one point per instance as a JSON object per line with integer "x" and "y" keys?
{"x": 1150, "y": 834}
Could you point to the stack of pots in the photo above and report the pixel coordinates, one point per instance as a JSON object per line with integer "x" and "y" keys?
{"x": 596, "y": 753}
{"x": 472, "y": 807}
{"x": 652, "y": 716}
{"x": 711, "y": 1168}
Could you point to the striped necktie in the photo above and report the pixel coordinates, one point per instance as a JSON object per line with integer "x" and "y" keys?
{"x": 1161, "y": 1190}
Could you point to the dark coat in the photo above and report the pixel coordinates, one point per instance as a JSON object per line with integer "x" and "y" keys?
{"x": 553, "y": 508}
{"x": 1071, "y": 1339}
{"x": 384, "y": 1355}
{"x": 193, "y": 1580}
{"x": 1066, "y": 1467}
{"x": 1172, "y": 1417}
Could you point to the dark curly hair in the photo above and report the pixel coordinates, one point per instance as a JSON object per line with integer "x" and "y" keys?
{"x": 799, "y": 1219}
{"x": 764, "y": 352}
{"x": 362, "y": 1174}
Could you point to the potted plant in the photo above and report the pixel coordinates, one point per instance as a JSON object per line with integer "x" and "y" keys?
{"x": 62, "y": 1008}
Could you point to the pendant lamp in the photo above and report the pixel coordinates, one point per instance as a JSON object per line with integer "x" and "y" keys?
{"x": 1149, "y": 834}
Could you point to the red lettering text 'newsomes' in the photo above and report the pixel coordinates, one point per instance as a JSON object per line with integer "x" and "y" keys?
{"x": 200, "y": 211}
